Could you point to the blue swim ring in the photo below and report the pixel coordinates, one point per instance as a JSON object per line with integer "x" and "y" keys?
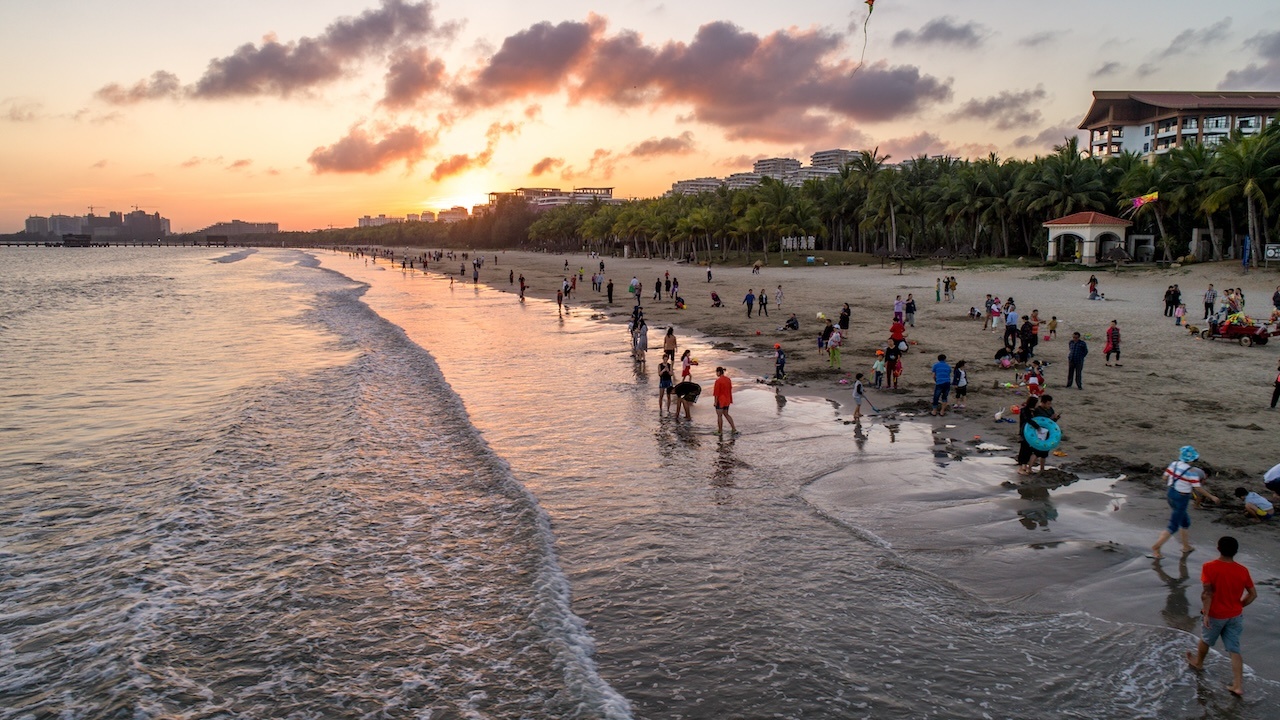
{"x": 1033, "y": 438}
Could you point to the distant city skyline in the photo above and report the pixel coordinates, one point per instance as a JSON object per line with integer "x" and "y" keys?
{"x": 315, "y": 114}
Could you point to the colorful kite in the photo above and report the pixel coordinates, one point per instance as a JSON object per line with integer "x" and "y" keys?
{"x": 1144, "y": 199}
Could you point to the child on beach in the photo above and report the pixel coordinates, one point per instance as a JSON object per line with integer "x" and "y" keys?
{"x": 1178, "y": 314}
{"x": 1053, "y": 327}
{"x": 1255, "y": 506}
{"x": 686, "y": 366}
{"x": 960, "y": 384}
{"x": 877, "y": 368}
{"x": 665, "y": 385}
{"x": 859, "y": 395}
{"x": 974, "y": 314}
{"x": 833, "y": 348}
{"x": 779, "y": 362}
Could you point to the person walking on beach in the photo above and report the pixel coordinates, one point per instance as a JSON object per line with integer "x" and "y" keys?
{"x": 641, "y": 342}
{"x": 859, "y": 394}
{"x": 749, "y": 301}
{"x": 560, "y": 303}
{"x": 657, "y": 289}
{"x": 1044, "y": 408}
{"x": 960, "y": 384}
{"x": 937, "y": 290}
{"x": 898, "y": 308}
{"x": 522, "y": 286}
{"x": 609, "y": 291}
{"x": 845, "y": 314}
{"x": 941, "y": 386}
{"x": 686, "y": 366}
{"x": 665, "y": 387}
{"x": 778, "y": 298}
{"x": 1025, "y": 413}
{"x": 987, "y": 313}
{"x": 1210, "y": 297}
{"x": 1077, "y": 350}
{"x": 708, "y": 272}
{"x": 722, "y": 393}
{"x": 764, "y": 302}
{"x": 779, "y": 362}
{"x": 1182, "y": 481}
{"x": 1113, "y": 344}
{"x": 910, "y": 309}
{"x": 1275, "y": 394}
{"x": 833, "y": 348}
{"x": 1228, "y": 590}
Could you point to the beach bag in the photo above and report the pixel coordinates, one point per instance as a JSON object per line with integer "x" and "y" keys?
{"x": 902, "y": 346}
{"x": 1107, "y": 348}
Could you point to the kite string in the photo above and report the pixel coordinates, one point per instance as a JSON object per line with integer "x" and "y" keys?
{"x": 862, "y": 60}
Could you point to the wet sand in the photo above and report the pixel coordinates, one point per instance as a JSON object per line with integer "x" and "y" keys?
{"x": 1071, "y": 540}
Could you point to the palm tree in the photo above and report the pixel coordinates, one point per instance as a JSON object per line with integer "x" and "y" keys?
{"x": 1189, "y": 169}
{"x": 1065, "y": 183}
{"x": 1245, "y": 168}
{"x": 1144, "y": 179}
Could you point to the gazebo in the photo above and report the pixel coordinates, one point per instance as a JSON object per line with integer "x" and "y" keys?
{"x": 1096, "y": 234}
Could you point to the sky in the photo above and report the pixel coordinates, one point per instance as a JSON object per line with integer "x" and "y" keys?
{"x": 312, "y": 114}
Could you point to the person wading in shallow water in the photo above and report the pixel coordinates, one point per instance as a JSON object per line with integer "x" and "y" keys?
{"x": 1183, "y": 482}
{"x": 1228, "y": 589}
{"x": 722, "y": 393}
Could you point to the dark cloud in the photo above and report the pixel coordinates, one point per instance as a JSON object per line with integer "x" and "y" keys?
{"x": 412, "y": 74}
{"x": 943, "y": 31}
{"x": 359, "y": 152}
{"x": 1107, "y": 69}
{"x": 1264, "y": 75}
{"x": 652, "y": 147}
{"x": 546, "y": 165}
{"x": 285, "y": 68}
{"x": 160, "y": 85}
{"x": 458, "y": 164}
{"x": 1006, "y": 110}
{"x": 922, "y": 143}
{"x": 533, "y": 61}
{"x": 789, "y": 85}
{"x": 1191, "y": 40}
{"x": 1040, "y": 38}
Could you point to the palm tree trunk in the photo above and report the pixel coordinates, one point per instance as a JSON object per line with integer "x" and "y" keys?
{"x": 893, "y": 230}
{"x": 1164, "y": 239}
{"x": 1213, "y": 240}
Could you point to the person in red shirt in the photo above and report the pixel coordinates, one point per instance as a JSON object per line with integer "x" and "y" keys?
{"x": 722, "y": 396}
{"x": 1228, "y": 588}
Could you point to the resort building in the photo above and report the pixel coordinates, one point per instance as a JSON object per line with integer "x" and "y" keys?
{"x": 832, "y": 159}
{"x": 240, "y": 227}
{"x": 797, "y": 177}
{"x": 545, "y": 198}
{"x": 695, "y": 186}
{"x": 1151, "y": 123}
{"x": 743, "y": 180}
{"x": 379, "y": 221}
{"x": 776, "y": 168}
{"x": 454, "y": 214}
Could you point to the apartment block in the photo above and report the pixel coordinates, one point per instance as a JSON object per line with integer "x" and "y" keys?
{"x": 1152, "y": 123}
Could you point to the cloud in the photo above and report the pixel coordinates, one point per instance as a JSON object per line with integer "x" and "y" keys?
{"x": 740, "y": 163}
{"x": 160, "y": 85}
{"x": 1007, "y": 110}
{"x": 533, "y": 112}
{"x": 943, "y": 31}
{"x": 1107, "y": 69}
{"x": 197, "y": 161}
{"x": 1257, "y": 76}
{"x": 1040, "y": 38}
{"x": 458, "y": 164}
{"x": 20, "y": 111}
{"x": 99, "y": 165}
{"x": 532, "y": 61}
{"x": 359, "y": 152}
{"x": 1189, "y": 40}
{"x": 1049, "y": 137}
{"x": 282, "y": 69}
{"x": 546, "y": 165}
{"x": 602, "y": 165}
{"x": 682, "y": 145}
{"x": 411, "y": 75}
{"x": 240, "y": 164}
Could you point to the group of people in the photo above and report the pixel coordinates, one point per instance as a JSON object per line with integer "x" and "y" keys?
{"x": 944, "y": 288}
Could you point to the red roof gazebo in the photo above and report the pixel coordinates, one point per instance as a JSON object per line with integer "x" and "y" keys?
{"x": 1092, "y": 228}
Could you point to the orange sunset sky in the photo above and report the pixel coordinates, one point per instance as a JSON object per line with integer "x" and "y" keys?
{"x": 312, "y": 114}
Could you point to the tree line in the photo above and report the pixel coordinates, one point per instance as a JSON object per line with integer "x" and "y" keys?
{"x": 989, "y": 207}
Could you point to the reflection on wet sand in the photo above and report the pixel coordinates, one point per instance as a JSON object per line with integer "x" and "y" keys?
{"x": 1177, "y": 609}
{"x": 1040, "y": 511}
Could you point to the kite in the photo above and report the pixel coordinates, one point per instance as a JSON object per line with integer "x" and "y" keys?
{"x": 871, "y": 7}
{"x": 1144, "y": 199}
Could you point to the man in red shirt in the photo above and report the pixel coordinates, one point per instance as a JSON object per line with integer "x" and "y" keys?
{"x": 1228, "y": 588}
{"x": 722, "y": 396}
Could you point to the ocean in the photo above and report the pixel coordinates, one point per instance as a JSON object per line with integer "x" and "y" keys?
{"x": 275, "y": 483}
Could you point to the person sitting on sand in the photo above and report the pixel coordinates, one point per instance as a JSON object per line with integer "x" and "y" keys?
{"x": 715, "y": 300}
{"x": 1183, "y": 482}
{"x": 1255, "y": 506}
{"x": 792, "y": 323}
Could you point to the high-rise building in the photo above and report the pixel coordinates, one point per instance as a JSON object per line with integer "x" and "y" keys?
{"x": 141, "y": 226}
{"x": 457, "y": 213}
{"x": 798, "y": 176}
{"x": 379, "y": 221}
{"x": 60, "y": 225}
{"x": 776, "y": 168}
{"x": 1152, "y": 123}
{"x": 743, "y": 180}
{"x": 240, "y": 227}
{"x": 37, "y": 225}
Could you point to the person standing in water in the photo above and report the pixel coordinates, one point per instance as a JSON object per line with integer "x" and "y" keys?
{"x": 669, "y": 345}
{"x": 722, "y": 394}
{"x": 1183, "y": 481}
{"x": 1228, "y": 590}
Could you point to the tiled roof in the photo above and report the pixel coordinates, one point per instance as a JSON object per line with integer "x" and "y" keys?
{"x": 1089, "y": 218}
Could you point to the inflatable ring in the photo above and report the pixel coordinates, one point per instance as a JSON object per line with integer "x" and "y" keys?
{"x": 1033, "y": 438}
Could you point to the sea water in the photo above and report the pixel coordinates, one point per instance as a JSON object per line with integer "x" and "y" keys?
{"x": 240, "y": 483}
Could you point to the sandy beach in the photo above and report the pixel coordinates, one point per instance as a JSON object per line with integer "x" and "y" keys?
{"x": 1173, "y": 388}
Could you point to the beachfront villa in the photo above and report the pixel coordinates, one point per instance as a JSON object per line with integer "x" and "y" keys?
{"x": 1151, "y": 123}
